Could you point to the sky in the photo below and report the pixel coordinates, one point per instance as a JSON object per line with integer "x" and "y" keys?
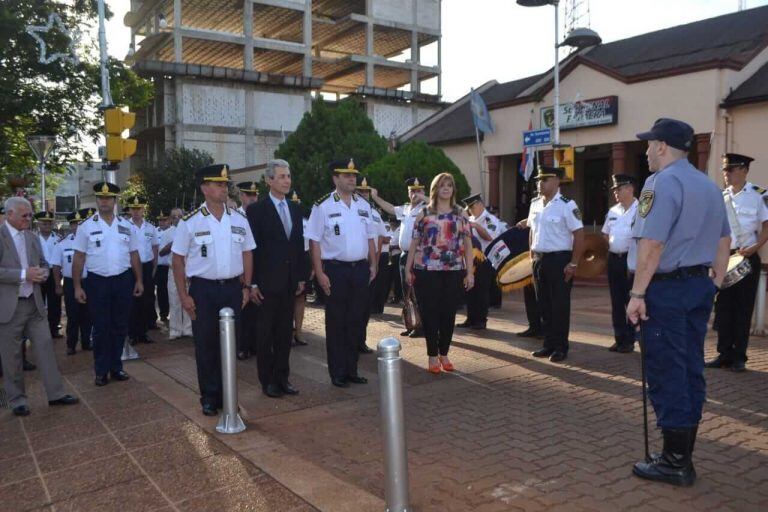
{"x": 497, "y": 39}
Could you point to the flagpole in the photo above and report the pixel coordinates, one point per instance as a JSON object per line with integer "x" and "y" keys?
{"x": 480, "y": 165}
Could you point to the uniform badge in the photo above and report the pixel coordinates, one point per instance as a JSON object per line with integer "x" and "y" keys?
{"x": 577, "y": 213}
{"x": 336, "y": 230}
{"x": 204, "y": 251}
{"x": 765, "y": 200}
{"x": 646, "y": 202}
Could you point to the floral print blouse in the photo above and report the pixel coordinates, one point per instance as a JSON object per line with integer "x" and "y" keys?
{"x": 439, "y": 240}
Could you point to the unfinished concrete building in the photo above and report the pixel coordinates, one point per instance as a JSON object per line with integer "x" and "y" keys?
{"x": 234, "y": 77}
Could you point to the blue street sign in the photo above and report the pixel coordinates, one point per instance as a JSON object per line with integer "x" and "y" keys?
{"x": 537, "y": 137}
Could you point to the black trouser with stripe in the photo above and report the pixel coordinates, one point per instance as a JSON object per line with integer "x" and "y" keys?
{"x": 78, "y": 321}
{"x": 733, "y": 309}
{"x": 532, "y": 309}
{"x": 345, "y": 311}
{"x": 142, "y": 306}
{"x": 554, "y": 297}
{"x": 620, "y": 283}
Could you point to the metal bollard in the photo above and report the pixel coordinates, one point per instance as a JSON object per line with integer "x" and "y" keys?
{"x": 230, "y": 421}
{"x": 129, "y": 352}
{"x": 393, "y": 425}
{"x": 759, "y": 328}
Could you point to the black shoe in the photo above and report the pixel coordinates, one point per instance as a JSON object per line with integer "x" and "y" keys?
{"x": 418, "y": 333}
{"x": 614, "y": 347}
{"x": 339, "y": 382}
{"x": 356, "y": 379}
{"x": 272, "y": 391}
{"x": 557, "y": 356}
{"x": 65, "y": 400}
{"x": 21, "y": 410}
{"x": 529, "y": 333}
{"x": 405, "y": 333}
{"x": 674, "y": 465}
{"x": 71, "y": 351}
{"x": 718, "y": 362}
{"x": 625, "y": 349}
{"x": 738, "y": 366}
{"x": 101, "y": 380}
{"x": 543, "y": 352}
{"x": 242, "y": 355}
{"x": 119, "y": 375}
{"x": 298, "y": 342}
{"x": 210, "y": 410}
{"x": 28, "y": 367}
{"x": 365, "y": 349}
{"x": 465, "y": 323}
{"x": 288, "y": 388}
{"x": 478, "y": 327}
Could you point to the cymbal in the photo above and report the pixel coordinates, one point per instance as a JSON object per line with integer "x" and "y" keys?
{"x": 594, "y": 259}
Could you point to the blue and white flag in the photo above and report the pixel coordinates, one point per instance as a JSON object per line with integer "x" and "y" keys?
{"x": 480, "y": 115}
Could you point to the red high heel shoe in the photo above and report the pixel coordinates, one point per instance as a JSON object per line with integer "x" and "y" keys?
{"x": 447, "y": 365}
{"x": 434, "y": 368}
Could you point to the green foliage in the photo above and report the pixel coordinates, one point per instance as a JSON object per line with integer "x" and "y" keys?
{"x": 60, "y": 98}
{"x": 329, "y": 132}
{"x": 173, "y": 182}
{"x": 414, "y": 159}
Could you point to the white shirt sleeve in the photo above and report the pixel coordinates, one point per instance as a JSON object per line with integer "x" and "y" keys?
{"x": 571, "y": 220}
{"x": 250, "y": 243}
{"x": 181, "y": 239}
{"x": 57, "y": 256}
{"x": 155, "y": 236}
{"x": 400, "y": 212}
{"x": 135, "y": 243}
{"x": 81, "y": 240}
{"x": 606, "y": 225}
{"x": 315, "y": 224}
{"x": 762, "y": 214}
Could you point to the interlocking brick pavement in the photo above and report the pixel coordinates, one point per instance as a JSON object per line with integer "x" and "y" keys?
{"x": 505, "y": 432}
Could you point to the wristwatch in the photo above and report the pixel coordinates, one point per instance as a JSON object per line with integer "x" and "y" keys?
{"x": 254, "y": 286}
{"x": 635, "y": 295}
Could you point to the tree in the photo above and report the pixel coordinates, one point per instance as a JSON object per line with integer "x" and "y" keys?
{"x": 414, "y": 159}
{"x": 329, "y": 132}
{"x": 173, "y": 182}
{"x": 59, "y": 98}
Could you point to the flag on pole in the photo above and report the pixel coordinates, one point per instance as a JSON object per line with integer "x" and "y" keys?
{"x": 480, "y": 115}
{"x": 526, "y": 164}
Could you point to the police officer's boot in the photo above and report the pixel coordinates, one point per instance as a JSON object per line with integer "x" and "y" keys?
{"x": 674, "y": 466}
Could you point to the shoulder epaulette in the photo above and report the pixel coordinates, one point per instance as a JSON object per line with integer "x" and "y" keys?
{"x": 326, "y": 196}
{"x": 95, "y": 217}
{"x": 759, "y": 190}
{"x": 565, "y": 199}
{"x": 204, "y": 211}
{"x": 239, "y": 212}
{"x": 192, "y": 213}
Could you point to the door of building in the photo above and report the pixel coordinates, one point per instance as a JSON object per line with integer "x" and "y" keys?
{"x": 597, "y": 179}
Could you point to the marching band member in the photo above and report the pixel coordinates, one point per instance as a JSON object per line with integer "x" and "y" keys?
{"x": 341, "y": 233}
{"x": 212, "y": 248}
{"x": 749, "y": 227}
{"x": 557, "y": 240}
{"x": 107, "y": 248}
{"x": 617, "y": 230}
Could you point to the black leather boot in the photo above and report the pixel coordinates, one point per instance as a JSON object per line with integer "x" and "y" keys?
{"x": 674, "y": 465}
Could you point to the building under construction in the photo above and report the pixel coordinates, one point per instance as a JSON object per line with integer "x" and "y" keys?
{"x": 233, "y": 77}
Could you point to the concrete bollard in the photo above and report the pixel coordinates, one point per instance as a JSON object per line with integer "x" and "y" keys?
{"x": 393, "y": 425}
{"x": 129, "y": 352}
{"x": 230, "y": 421}
{"x": 759, "y": 328}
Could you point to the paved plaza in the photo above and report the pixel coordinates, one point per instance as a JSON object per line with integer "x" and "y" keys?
{"x": 506, "y": 432}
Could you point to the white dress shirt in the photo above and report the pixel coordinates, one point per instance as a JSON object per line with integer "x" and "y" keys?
{"x": 213, "y": 248}
{"x": 107, "y": 247}
{"x": 407, "y": 216}
{"x": 146, "y": 234}
{"x": 618, "y": 227}
{"x": 164, "y": 237}
{"x": 48, "y": 245}
{"x": 751, "y": 212}
{"x": 342, "y": 231}
{"x": 25, "y": 287}
{"x": 552, "y": 226}
{"x": 63, "y": 254}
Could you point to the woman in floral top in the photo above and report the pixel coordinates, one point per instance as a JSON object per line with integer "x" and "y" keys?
{"x": 439, "y": 261}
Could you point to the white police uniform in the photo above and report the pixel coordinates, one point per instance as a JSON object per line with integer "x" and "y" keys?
{"x": 107, "y": 249}
{"x": 618, "y": 227}
{"x": 147, "y": 236}
{"x": 164, "y": 237}
{"x": 343, "y": 232}
{"x": 49, "y": 245}
{"x": 407, "y": 215}
{"x": 63, "y": 254}
{"x": 179, "y": 323}
{"x": 552, "y": 225}
{"x": 48, "y": 288}
{"x": 751, "y": 211}
{"x": 78, "y": 323}
{"x": 491, "y": 223}
{"x": 214, "y": 265}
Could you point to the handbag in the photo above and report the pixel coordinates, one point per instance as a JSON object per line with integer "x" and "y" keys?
{"x": 411, "y": 317}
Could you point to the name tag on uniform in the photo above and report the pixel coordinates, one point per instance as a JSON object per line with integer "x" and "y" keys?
{"x": 123, "y": 230}
{"x": 238, "y": 230}
{"x": 332, "y": 215}
{"x": 202, "y": 233}
{"x": 362, "y": 213}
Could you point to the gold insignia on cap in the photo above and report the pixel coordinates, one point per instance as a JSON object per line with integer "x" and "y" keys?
{"x": 295, "y": 197}
{"x": 253, "y": 186}
{"x": 224, "y": 173}
{"x": 77, "y": 216}
{"x": 364, "y": 183}
{"x": 135, "y": 199}
{"x": 351, "y": 164}
{"x": 416, "y": 182}
{"x": 105, "y": 188}
{"x": 725, "y": 161}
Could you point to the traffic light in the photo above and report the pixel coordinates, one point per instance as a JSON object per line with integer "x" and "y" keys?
{"x": 116, "y": 121}
{"x": 566, "y": 158}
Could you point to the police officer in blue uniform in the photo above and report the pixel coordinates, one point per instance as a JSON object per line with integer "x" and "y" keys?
{"x": 78, "y": 321}
{"x": 340, "y": 232}
{"x": 748, "y": 204}
{"x": 617, "y": 230}
{"x": 681, "y": 237}
{"x": 212, "y": 248}
{"x": 108, "y": 250}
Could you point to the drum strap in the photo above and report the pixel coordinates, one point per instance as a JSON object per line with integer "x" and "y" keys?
{"x": 733, "y": 220}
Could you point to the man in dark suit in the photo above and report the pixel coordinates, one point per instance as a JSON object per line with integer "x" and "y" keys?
{"x": 23, "y": 269}
{"x": 279, "y": 273}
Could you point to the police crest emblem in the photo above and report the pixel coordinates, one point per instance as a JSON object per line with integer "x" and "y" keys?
{"x": 646, "y": 202}
{"x": 577, "y": 213}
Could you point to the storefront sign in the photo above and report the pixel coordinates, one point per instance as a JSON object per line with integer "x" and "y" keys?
{"x": 583, "y": 114}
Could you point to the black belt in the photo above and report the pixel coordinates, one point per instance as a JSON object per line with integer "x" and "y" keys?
{"x": 216, "y": 281}
{"x": 682, "y": 273}
{"x": 31, "y": 297}
{"x": 539, "y": 255}
{"x": 618, "y": 254}
{"x": 340, "y": 263}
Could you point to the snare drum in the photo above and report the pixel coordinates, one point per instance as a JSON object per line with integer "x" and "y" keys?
{"x": 738, "y": 268}
{"x": 508, "y": 255}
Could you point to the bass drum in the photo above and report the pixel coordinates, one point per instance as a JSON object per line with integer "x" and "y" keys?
{"x": 509, "y": 257}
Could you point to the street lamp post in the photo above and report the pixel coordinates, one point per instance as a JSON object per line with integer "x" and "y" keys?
{"x": 41, "y": 146}
{"x": 578, "y": 38}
